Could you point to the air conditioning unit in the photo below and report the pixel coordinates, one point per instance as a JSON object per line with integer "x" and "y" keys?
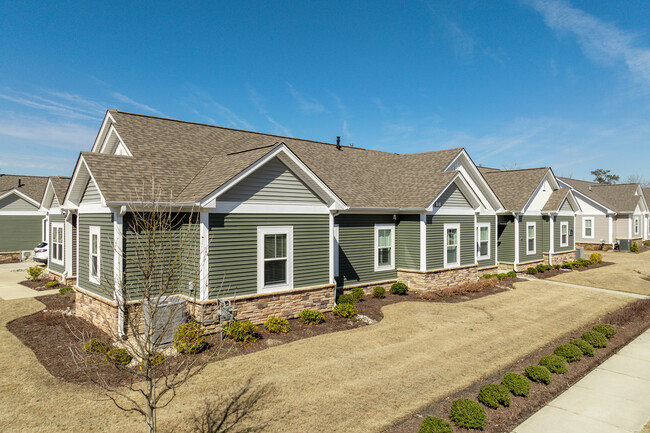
{"x": 580, "y": 253}
{"x": 624, "y": 244}
{"x": 167, "y": 315}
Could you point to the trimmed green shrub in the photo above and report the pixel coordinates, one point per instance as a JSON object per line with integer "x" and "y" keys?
{"x": 488, "y": 276}
{"x": 117, "y": 356}
{"x": 556, "y": 267}
{"x": 431, "y": 424}
{"x": 379, "y": 292}
{"x": 189, "y": 338}
{"x": 500, "y": 276}
{"x": 511, "y": 274}
{"x": 595, "y": 338}
{"x": 312, "y": 317}
{"x": 34, "y": 273}
{"x": 347, "y": 311}
{"x": 646, "y": 244}
{"x": 277, "y": 325}
{"x": 596, "y": 258}
{"x": 467, "y": 413}
{"x": 242, "y": 330}
{"x": 555, "y": 364}
{"x": 493, "y": 395}
{"x": 586, "y": 348}
{"x": 517, "y": 384}
{"x": 399, "y": 289}
{"x": 52, "y": 284}
{"x": 345, "y": 299}
{"x": 95, "y": 345}
{"x": 357, "y": 294}
{"x": 634, "y": 248}
{"x": 569, "y": 352}
{"x": 538, "y": 373}
{"x": 607, "y": 330}
{"x": 583, "y": 262}
{"x": 66, "y": 289}
{"x": 531, "y": 271}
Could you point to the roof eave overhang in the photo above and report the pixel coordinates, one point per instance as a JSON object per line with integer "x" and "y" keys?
{"x": 21, "y": 195}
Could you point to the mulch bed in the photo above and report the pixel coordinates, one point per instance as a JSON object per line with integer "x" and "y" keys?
{"x": 554, "y": 272}
{"x": 631, "y": 321}
{"x": 38, "y": 285}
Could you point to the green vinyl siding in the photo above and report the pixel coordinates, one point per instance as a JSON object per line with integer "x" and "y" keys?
{"x": 357, "y": 249}
{"x": 14, "y": 202}
{"x": 453, "y": 198}
{"x": 233, "y": 251}
{"x": 541, "y": 238}
{"x": 91, "y": 194}
{"x": 493, "y": 239}
{"x": 506, "y": 239}
{"x": 20, "y": 232}
{"x": 56, "y": 218}
{"x": 436, "y": 239}
{"x": 105, "y": 222}
{"x": 407, "y": 241}
{"x": 557, "y": 235}
{"x": 175, "y": 262}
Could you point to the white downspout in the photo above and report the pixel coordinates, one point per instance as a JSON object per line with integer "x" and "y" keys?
{"x": 516, "y": 241}
{"x": 551, "y": 246}
{"x": 117, "y": 268}
{"x": 331, "y": 255}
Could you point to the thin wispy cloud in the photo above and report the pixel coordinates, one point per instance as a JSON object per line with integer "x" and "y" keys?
{"x": 125, "y": 99}
{"x": 61, "y": 135}
{"x": 306, "y": 104}
{"x": 17, "y": 163}
{"x": 52, "y": 107}
{"x": 209, "y": 105}
{"x": 601, "y": 41}
{"x": 462, "y": 41}
{"x": 258, "y": 102}
{"x": 378, "y": 102}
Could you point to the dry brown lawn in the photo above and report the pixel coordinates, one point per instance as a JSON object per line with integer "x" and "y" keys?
{"x": 362, "y": 380}
{"x": 630, "y": 273}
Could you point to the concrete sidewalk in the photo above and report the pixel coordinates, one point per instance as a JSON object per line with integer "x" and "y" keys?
{"x": 613, "y": 398}
{"x": 13, "y": 273}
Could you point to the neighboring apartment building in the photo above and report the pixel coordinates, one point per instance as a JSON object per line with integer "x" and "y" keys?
{"x": 61, "y": 233}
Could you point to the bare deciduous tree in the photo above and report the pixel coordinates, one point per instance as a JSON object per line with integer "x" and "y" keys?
{"x": 637, "y": 178}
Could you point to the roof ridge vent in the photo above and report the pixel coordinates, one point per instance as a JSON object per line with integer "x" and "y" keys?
{"x": 338, "y": 142}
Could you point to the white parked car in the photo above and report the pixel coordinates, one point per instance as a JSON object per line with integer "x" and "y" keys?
{"x": 41, "y": 253}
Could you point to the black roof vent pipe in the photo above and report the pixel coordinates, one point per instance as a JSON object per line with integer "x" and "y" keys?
{"x": 19, "y": 183}
{"x": 338, "y": 143}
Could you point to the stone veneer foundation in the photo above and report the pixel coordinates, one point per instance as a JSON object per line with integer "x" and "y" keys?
{"x": 9, "y": 257}
{"x": 437, "y": 279}
{"x": 522, "y": 267}
{"x": 488, "y": 270}
{"x": 96, "y": 309}
{"x": 558, "y": 258}
{"x": 595, "y": 247}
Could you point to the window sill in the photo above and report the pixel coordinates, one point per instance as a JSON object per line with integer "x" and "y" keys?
{"x": 274, "y": 288}
{"x": 384, "y": 268}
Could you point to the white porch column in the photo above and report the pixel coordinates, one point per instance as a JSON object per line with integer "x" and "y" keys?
{"x": 610, "y": 222}
{"x": 68, "y": 245}
{"x": 118, "y": 264}
{"x": 495, "y": 237}
{"x": 331, "y": 254}
{"x": 517, "y": 234}
{"x": 423, "y": 242}
{"x": 475, "y": 240}
{"x": 551, "y": 246}
{"x": 204, "y": 257}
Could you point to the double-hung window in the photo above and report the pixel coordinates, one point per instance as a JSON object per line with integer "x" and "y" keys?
{"x": 636, "y": 225}
{"x": 274, "y": 258}
{"x": 531, "y": 238}
{"x": 452, "y": 245}
{"x": 384, "y": 247}
{"x": 94, "y": 250}
{"x": 483, "y": 241}
{"x": 57, "y": 243}
{"x": 564, "y": 234}
{"x": 588, "y": 227}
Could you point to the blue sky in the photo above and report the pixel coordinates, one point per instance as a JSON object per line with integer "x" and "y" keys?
{"x": 517, "y": 83}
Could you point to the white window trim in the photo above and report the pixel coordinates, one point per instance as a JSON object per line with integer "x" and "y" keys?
{"x": 52, "y": 245}
{"x": 564, "y": 224}
{"x": 478, "y": 240}
{"x": 94, "y": 230}
{"x": 444, "y": 240}
{"x": 637, "y": 225}
{"x": 584, "y": 227}
{"x": 534, "y": 226}
{"x": 271, "y": 230}
{"x": 391, "y": 227}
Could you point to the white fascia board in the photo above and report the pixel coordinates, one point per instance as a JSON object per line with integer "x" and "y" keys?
{"x": 281, "y": 149}
{"x": 81, "y": 164}
{"x": 464, "y": 186}
{"x": 441, "y": 211}
{"x": 539, "y": 187}
{"x": 34, "y": 212}
{"x": 552, "y": 179}
{"x": 585, "y": 197}
{"x": 478, "y": 178}
{"x": 265, "y": 208}
{"x": 643, "y": 200}
{"x": 21, "y": 195}
{"x": 573, "y": 201}
{"x": 48, "y": 196}
{"x": 103, "y": 132}
{"x": 381, "y": 210}
{"x": 113, "y": 130}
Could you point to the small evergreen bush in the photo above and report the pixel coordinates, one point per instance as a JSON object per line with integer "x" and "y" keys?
{"x": 488, "y": 276}
{"x": 556, "y": 267}
{"x": 431, "y": 424}
{"x": 347, "y": 311}
{"x": 586, "y": 348}
{"x": 399, "y": 289}
{"x": 242, "y": 330}
{"x": 596, "y": 258}
{"x": 379, "y": 292}
{"x": 516, "y": 384}
{"x": 189, "y": 338}
{"x": 500, "y": 276}
{"x": 555, "y": 364}
{"x": 95, "y": 345}
{"x": 52, "y": 284}
{"x": 357, "y": 294}
{"x": 511, "y": 274}
{"x": 117, "y": 356}
{"x": 607, "y": 330}
{"x": 531, "y": 271}
{"x": 646, "y": 244}
{"x": 312, "y": 317}
{"x": 569, "y": 352}
{"x": 634, "y": 248}
{"x": 345, "y": 299}
{"x": 467, "y": 413}
{"x": 277, "y": 325}
{"x": 538, "y": 373}
{"x": 34, "y": 273}
{"x": 64, "y": 290}
{"x": 595, "y": 338}
{"x": 493, "y": 395}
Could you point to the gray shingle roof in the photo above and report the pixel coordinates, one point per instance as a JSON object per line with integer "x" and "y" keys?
{"x": 60, "y": 184}
{"x": 618, "y": 197}
{"x": 190, "y": 160}
{"x": 32, "y": 186}
{"x": 555, "y": 200}
{"x": 514, "y": 187}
